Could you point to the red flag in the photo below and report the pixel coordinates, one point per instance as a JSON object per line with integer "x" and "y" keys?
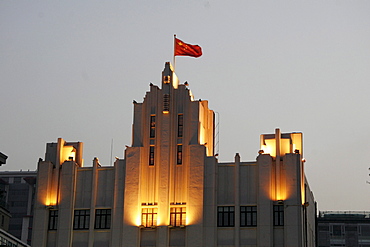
{"x": 184, "y": 49}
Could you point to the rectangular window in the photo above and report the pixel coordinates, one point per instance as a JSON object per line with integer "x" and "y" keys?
{"x": 225, "y": 216}
{"x": 149, "y": 217}
{"x": 151, "y": 155}
{"x": 179, "y": 154}
{"x": 152, "y": 126}
{"x": 81, "y": 219}
{"x": 180, "y": 125}
{"x": 166, "y": 103}
{"x": 177, "y": 216}
{"x": 337, "y": 230}
{"x": 278, "y": 215}
{"x": 248, "y": 216}
{"x": 364, "y": 230}
{"x": 53, "y": 219}
{"x": 167, "y": 79}
{"x": 102, "y": 218}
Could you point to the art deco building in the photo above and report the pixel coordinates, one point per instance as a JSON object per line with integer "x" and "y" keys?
{"x": 170, "y": 189}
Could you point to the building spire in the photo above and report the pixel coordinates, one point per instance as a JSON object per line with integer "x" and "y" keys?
{"x": 169, "y": 76}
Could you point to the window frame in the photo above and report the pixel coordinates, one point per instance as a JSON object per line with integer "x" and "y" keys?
{"x": 226, "y": 216}
{"x": 152, "y": 126}
{"x": 102, "y": 218}
{"x": 53, "y": 220}
{"x": 337, "y": 230}
{"x": 180, "y": 125}
{"x": 278, "y": 213}
{"x": 81, "y": 221}
{"x": 166, "y": 103}
{"x": 179, "y": 154}
{"x": 362, "y": 231}
{"x": 248, "y": 216}
{"x": 149, "y": 217}
{"x": 151, "y": 155}
{"x": 177, "y": 216}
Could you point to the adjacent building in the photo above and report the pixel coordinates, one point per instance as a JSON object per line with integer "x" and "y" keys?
{"x": 4, "y": 208}
{"x": 170, "y": 189}
{"x": 16, "y": 206}
{"x": 6, "y": 239}
{"x": 343, "y": 228}
{"x": 3, "y": 158}
{"x": 17, "y": 195}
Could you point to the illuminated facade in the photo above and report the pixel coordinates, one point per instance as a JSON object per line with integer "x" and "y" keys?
{"x": 170, "y": 189}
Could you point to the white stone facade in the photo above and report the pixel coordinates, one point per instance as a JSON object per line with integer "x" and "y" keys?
{"x": 170, "y": 190}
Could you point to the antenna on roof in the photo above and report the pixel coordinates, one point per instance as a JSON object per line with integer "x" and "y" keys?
{"x": 111, "y": 152}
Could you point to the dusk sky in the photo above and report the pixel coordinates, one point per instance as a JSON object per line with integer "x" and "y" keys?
{"x": 71, "y": 69}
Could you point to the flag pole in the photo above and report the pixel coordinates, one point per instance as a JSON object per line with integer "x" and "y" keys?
{"x": 174, "y": 48}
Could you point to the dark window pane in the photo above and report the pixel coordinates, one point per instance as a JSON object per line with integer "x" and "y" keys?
{"x": 81, "y": 219}
{"x": 53, "y": 219}
{"x": 180, "y": 125}
{"x": 151, "y": 156}
{"x": 102, "y": 218}
{"x": 152, "y": 126}
{"x": 278, "y": 215}
{"x": 179, "y": 154}
{"x": 225, "y": 217}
